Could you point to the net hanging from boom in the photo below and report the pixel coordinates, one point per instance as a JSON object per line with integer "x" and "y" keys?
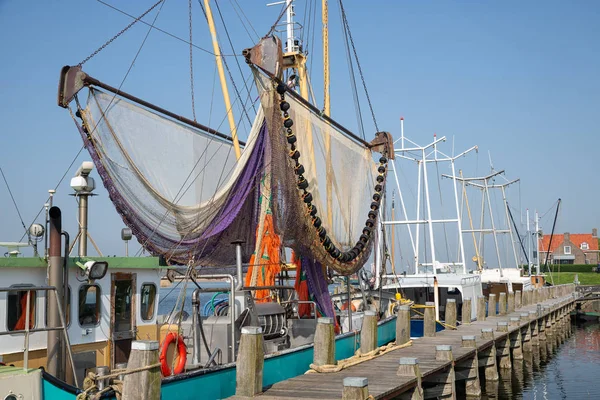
{"x": 185, "y": 196}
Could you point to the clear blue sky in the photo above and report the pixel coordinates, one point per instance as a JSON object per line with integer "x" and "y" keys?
{"x": 519, "y": 79}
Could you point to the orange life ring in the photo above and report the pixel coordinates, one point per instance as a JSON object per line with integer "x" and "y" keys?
{"x": 165, "y": 369}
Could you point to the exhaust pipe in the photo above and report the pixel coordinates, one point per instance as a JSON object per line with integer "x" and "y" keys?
{"x": 55, "y": 359}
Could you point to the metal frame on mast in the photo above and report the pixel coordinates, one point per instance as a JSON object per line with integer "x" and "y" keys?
{"x": 424, "y": 155}
{"x": 483, "y": 183}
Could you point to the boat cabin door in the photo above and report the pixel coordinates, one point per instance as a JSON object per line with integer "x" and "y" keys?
{"x": 122, "y": 316}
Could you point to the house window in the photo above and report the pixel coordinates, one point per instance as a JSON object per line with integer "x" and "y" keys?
{"x": 148, "y": 297}
{"x": 89, "y": 305}
{"x": 67, "y": 312}
{"x": 16, "y": 312}
{"x": 584, "y": 246}
{"x": 567, "y": 249}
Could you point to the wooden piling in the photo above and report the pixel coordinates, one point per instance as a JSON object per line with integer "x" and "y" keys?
{"x": 466, "y": 311}
{"x": 324, "y": 353}
{"x": 403, "y": 325}
{"x": 502, "y": 303}
{"x": 503, "y": 347}
{"x": 526, "y": 332}
{"x": 429, "y": 320}
{"x": 355, "y": 388}
{"x": 470, "y": 368}
{"x": 409, "y": 367}
{"x": 515, "y": 339}
{"x": 535, "y": 339}
{"x": 447, "y": 380}
{"x": 511, "y": 302}
{"x": 480, "y": 308}
{"x": 368, "y": 332}
{"x": 250, "y": 361}
{"x": 450, "y": 314}
{"x": 145, "y": 384}
{"x": 491, "y": 305}
{"x": 489, "y": 357}
{"x": 518, "y": 299}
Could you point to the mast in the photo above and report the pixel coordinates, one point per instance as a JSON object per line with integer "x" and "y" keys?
{"x": 529, "y": 239}
{"x": 327, "y": 107}
{"x": 537, "y": 243}
{"x": 219, "y": 59}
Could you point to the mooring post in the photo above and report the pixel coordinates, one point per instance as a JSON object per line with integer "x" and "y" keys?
{"x": 535, "y": 339}
{"x": 403, "y": 325}
{"x": 503, "y": 346}
{"x": 466, "y": 311}
{"x": 488, "y": 356}
{"x": 541, "y": 322}
{"x": 524, "y": 298}
{"x": 469, "y": 369}
{"x": 143, "y": 385}
{"x": 518, "y": 299}
{"x": 409, "y": 367}
{"x": 368, "y": 333}
{"x": 511, "y": 302}
{"x": 324, "y": 353}
{"x": 447, "y": 379}
{"x": 429, "y": 320}
{"x": 526, "y": 332}
{"x": 355, "y": 388}
{"x": 515, "y": 339}
{"x": 502, "y": 303}
{"x": 480, "y": 308}
{"x": 250, "y": 361}
{"x": 491, "y": 305}
{"x": 450, "y": 317}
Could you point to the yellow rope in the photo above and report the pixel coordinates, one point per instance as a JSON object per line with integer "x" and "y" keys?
{"x": 357, "y": 358}
{"x": 439, "y": 322}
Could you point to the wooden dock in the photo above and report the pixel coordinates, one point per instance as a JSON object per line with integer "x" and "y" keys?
{"x": 431, "y": 366}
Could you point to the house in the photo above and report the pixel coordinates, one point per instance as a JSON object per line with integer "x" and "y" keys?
{"x": 571, "y": 248}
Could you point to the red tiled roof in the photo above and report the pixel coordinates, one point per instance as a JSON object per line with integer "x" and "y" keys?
{"x": 576, "y": 238}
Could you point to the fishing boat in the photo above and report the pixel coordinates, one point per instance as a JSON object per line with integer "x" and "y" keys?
{"x": 428, "y": 276}
{"x": 207, "y": 205}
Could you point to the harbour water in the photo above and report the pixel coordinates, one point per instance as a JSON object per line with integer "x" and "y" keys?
{"x": 567, "y": 372}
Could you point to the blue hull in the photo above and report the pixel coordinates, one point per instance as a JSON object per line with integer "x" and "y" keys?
{"x": 219, "y": 384}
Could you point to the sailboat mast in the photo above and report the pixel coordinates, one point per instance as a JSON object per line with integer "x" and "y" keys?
{"x": 529, "y": 239}
{"x": 219, "y": 59}
{"x": 537, "y": 243}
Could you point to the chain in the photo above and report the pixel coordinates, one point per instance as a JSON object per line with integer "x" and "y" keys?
{"x": 119, "y": 34}
{"x": 358, "y": 64}
{"x": 192, "y": 64}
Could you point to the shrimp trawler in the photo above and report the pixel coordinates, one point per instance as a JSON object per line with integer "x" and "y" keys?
{"x": 208, "y": 206}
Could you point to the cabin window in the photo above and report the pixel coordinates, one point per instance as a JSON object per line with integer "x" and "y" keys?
{"x": 67, "y": 312}
{"x": 89, "y": 305}
{"x": 16, "y": 312}
{"x": 567, "y": 249}
{"x": 148, "y": 298}
{"x": 584, "y": 246}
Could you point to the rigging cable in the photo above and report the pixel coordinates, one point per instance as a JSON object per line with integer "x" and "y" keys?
{"x": 353, "y": 80}
{"x": 165, "y": 32}
{"x": 519, "y": 236}
{"x": 237, "y": 92}
{"x": 191, "y": 64}
{"x": 237, "y": 62}
{"x": 14, "y": 202}
{"x": 109, "y": 41}
{"x": 248, "y": 20}
{"x": 362, "y": 77}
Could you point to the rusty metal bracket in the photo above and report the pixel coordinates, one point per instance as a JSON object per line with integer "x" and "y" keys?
{"x": 384, "y": 144}
{"x": 72, "y": 80}
{"x": 267, "y": 55}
